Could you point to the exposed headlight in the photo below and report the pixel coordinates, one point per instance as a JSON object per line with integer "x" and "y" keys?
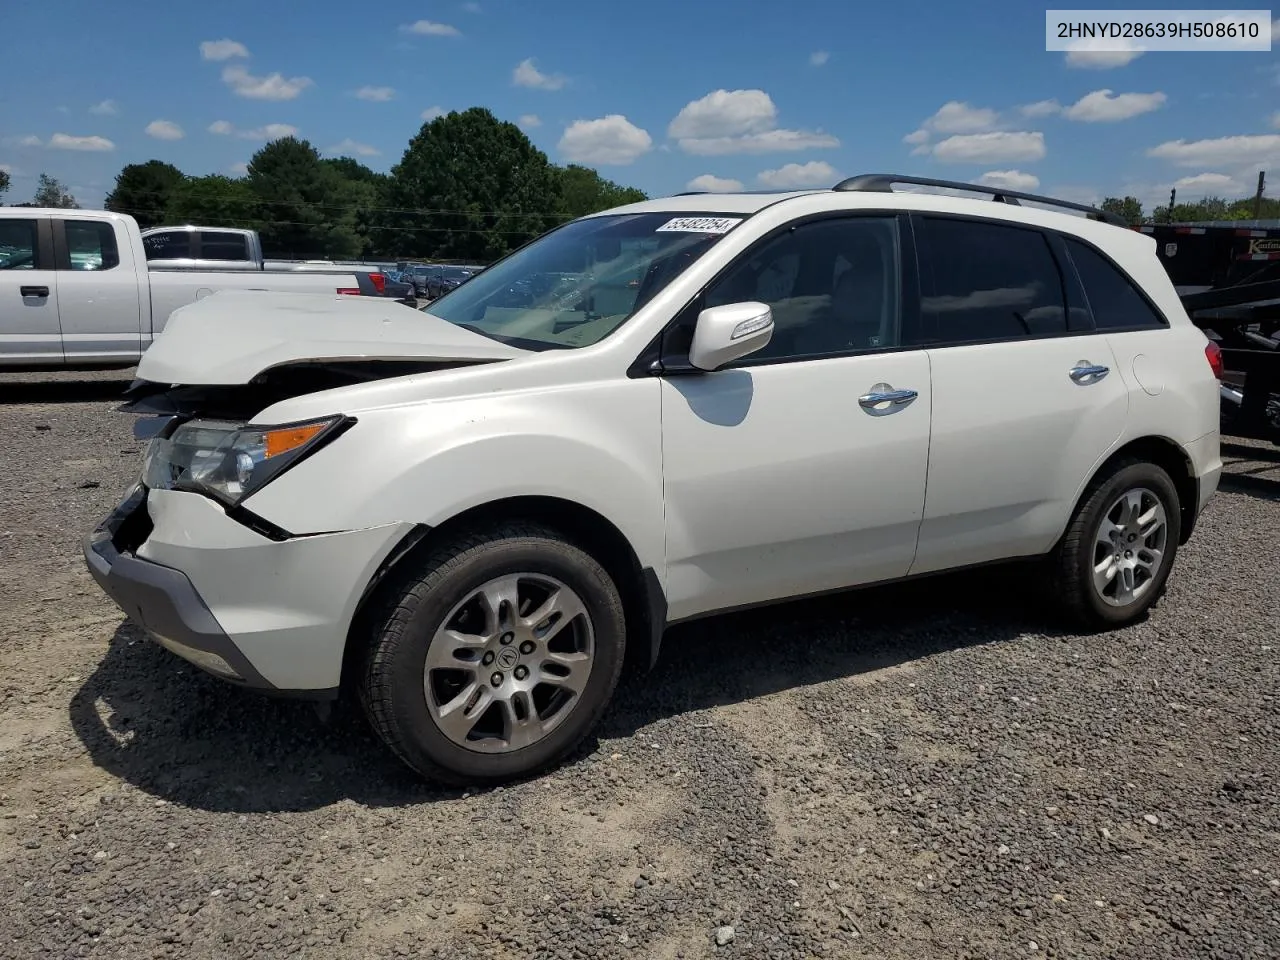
{"x": 227, "y": 460}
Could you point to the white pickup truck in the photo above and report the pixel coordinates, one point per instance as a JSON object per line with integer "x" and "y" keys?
{"x": 76, "y": 291}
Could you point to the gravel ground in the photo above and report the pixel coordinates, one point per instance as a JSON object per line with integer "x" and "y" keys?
{"x": 926, "y": 771}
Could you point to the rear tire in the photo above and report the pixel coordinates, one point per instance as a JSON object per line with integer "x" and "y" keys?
{"x": 464, "y": 685}
{"x": 1113, "y": 563}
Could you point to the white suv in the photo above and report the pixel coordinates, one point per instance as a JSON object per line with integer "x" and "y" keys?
{"x": 651, "y": 414}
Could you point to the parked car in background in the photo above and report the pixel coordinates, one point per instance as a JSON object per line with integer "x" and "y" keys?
{"x": 423, "y": 273}
{"x": 472, "y": 515}
{"x": 77, "y": 290}
{"x": 448, "y": 279}
{"x": 402, "y": 291}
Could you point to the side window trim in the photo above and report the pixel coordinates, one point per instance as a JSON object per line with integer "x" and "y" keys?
{"x": 1077, "y": 302}
{"x": 1067, "y": 277}
{"x": 671, "y": 361}
{"x": 1124, "y": 275}
{"x": 45, "y": 259}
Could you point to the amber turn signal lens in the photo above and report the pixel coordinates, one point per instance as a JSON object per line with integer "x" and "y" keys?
{"x": 290, "y": 438}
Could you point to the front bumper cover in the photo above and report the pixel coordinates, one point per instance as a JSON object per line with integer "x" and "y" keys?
{"x": 163, "y": 601}
{"x": 263, "y": 612}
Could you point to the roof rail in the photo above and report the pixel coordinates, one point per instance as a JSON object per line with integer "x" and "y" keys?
{"x": 883, "y": 183}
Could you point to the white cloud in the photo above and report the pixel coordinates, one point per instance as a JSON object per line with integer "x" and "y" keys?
{"x": 270, "y": 131}
{"x": 956, "y": 116}
{"x": 375, "y": 94}
{"x": 164, "y": 130}
{"x": 994, "y": 147}
{"x": 1275, "y": 120}
{"x": 1211, "y": 184}
{"x": 429, "y": 28}
{"x": 274, "y": 86}
{"x": 348, "y": 147}
{"x": 953, "y": 117}
{"x": 29, "y": 141}
{"x": 471, "y": 7}
{"x": 107, "y": 108}
{"x": 1102, "y": 106}
{"x": 772, "y": 141}
{"x": 1085, "y": 55}
{"x": 238, "y": 169}
{"x": 222, "y": 50}
{"x": 64, "y": 141}
{"x": 1260, "y": 151}
{"x": 432, "y": 112}
{"x": 712, "y": 184}
{"x": 724, "y": 113}
{"x": 609, "y": 140}
{"x": 529, "y": 121}
{"x": 815, "y": 173}
{"x": 1009, "y": 179}
{"x": 818, "y": 58}
{"x": 1041, "y": 108}
{"x": 739, "y": 121}
{"x": 527, "y": 75}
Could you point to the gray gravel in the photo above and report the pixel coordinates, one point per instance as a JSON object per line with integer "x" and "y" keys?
{"x": 925, "y": 771}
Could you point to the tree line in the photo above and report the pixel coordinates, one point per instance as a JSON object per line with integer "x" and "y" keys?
{"x": 1200, "y": 211}
{"x": 468, "y": 187}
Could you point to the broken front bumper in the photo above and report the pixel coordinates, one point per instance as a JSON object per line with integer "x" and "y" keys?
{"x": 270, "y": 614}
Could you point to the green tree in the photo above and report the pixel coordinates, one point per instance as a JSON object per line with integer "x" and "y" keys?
{"x": 51, "y": 193}
{"x": 472, "y": 187}
{"x": 584, "y": 191}
{"x": 309, "y": 209}
{"x": 143, "y": 191}
{"x": 213, "y": 201}
{"x": 1130, "y": 208}
{"x": 368, "y": 194}
{"x": 4, "y": 182}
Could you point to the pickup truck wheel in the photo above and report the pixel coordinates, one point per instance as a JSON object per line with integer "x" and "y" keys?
{"x": 1113, "y": 563}
{"x": 495, "y": 657}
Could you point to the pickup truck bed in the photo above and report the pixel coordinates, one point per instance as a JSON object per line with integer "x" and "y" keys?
{"x": 76, "y": 291}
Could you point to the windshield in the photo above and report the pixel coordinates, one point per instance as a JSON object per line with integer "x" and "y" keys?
{"x": 574, "y": 286}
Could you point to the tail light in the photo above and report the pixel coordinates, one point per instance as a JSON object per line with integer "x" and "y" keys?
{"x": 1213, "y": 353}
{"x": 349, "y": 291}
{"x": 379, "y": 282}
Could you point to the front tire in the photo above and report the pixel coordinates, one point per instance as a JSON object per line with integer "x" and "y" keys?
{"x": 1113, "y": 562}
{"x": 495, "y": 657}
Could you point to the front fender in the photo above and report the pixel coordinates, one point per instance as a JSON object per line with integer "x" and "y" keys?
{"x": 595, "y": 444}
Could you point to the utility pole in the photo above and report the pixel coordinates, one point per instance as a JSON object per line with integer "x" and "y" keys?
{"x": 1173, "y": 195}
{"x": 1257, "y": 197}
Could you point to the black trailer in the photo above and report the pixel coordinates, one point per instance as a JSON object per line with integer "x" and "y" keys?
{"x": 1199, "y": 256}
{"x": 1227, "y": 274}
{"x": 1244, "y": 320}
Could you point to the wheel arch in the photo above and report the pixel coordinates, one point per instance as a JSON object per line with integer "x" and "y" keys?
{"x": 1169, "y": 456}
{"x": 644, "y": 601}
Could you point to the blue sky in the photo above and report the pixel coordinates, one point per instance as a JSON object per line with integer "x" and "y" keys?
{"x": 661, "y": 94}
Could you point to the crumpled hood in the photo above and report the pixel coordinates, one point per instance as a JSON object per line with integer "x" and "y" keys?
{"x": 231, "y": 336}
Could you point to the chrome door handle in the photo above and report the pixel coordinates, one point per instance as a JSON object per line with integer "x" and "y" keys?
{"x": 882, "y": 393}
{"x": 1087, "y": 373}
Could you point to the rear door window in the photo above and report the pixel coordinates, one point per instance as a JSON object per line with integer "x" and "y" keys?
{"x": 91, "y": 245}
{"x": 168, "y": 245}
{"x": 988, "y": 282}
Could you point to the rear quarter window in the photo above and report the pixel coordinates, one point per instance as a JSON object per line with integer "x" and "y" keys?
{"x": 1114, "y": 299}
{"x": 223, "y": 246}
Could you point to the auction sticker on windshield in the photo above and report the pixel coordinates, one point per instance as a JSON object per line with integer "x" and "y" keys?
{"x": 699, "y": 225}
